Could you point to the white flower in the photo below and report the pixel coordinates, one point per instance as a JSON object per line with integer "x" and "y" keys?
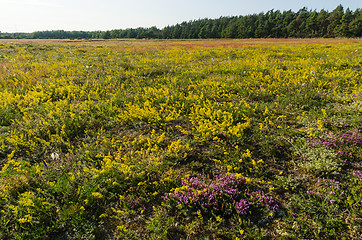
{"x": 55, "y": 156}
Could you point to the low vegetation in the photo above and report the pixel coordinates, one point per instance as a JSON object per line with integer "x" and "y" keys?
{"x": 231, "y": 139}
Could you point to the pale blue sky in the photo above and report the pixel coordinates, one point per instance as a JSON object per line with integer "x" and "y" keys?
{"x": 89, "y": 15}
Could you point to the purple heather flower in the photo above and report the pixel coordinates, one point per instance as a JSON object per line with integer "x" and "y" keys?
{"x": 343, "y": 142}
{"x": 222, "y": 193}
{"x": 242, "y": 207}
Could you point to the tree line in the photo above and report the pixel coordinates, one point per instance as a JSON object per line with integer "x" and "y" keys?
{"x": 273, "y": 24}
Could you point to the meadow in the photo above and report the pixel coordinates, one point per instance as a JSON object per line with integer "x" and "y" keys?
{"x": 192, "y": 139}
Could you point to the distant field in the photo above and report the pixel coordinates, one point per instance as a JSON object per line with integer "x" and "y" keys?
{"x": 198, "y": 42}
{"x": 181, "y": 139}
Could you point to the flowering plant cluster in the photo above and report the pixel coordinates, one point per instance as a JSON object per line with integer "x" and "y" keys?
{"x": 224, "y": 194}
{"x": 343, "y": 142}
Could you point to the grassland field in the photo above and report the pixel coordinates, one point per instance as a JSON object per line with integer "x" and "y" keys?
{"x": 181, "y": 139}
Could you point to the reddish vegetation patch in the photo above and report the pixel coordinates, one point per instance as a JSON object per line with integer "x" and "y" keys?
{"x": 189, "y": 43}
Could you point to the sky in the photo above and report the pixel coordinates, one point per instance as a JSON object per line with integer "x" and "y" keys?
{"x": 93, "y": 15}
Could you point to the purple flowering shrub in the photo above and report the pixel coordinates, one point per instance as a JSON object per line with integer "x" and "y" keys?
{"x": 259, "y": 198}
{"x": 346, "y": 144}
{"x": 223, "y": 195}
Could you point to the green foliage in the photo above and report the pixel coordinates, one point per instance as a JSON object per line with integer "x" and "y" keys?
{"x": 319, "y": 160}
